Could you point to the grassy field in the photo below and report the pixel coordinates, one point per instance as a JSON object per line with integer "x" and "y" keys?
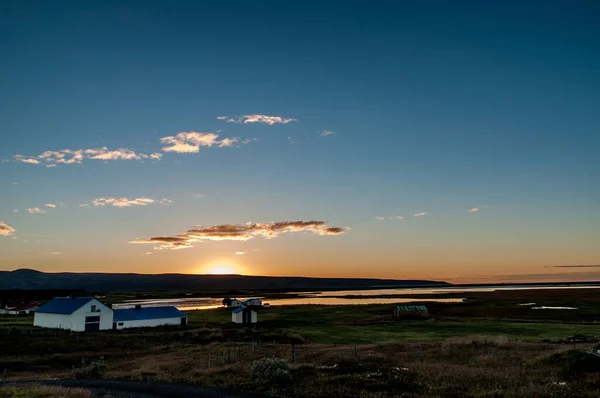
{"x": 486, "y": 347}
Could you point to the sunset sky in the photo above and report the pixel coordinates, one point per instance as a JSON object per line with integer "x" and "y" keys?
{"x": 431, "y": 139}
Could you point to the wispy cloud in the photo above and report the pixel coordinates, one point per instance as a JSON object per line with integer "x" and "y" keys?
{"x": 379, "y": 218}
{"x": 198, "y": 195}
{"x": 325, "y": 133}
{"x": 420, "y": 214}
{"x": 51, "y": 205}
{"x": 241, "y": 232}
{"x": 191, "y": 142}
{"x": 125, "y": 202}
{"x": 84, "y": 205}
{"x": 35, "y": 210}
{"x": 476, "y": 209}
{"x": 257, "y": 118}
{"x": 240, "y": 253}
{"x": 575, "y": 266}
{"x": 5, "y": 229}
{"x": 54, "y": 253}
{"x": 15, "y": 211}
{"x": 399, "y": 217}
{"x": 77, "y": 156}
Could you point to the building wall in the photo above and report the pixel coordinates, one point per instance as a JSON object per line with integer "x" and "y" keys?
{"x": 76, "y": 320}
{"x": 237, "y": 318}
{"x": 254, "y": 317}
{"x": 236, "y": 303}
{"x": 105, "y": 313}
{"x": 53, "y": 321}
{"x": 145, "y": 323}
{"x": 256, "y": 302}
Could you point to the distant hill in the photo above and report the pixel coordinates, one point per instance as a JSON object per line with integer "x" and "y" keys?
{"x": 100, "y": 282}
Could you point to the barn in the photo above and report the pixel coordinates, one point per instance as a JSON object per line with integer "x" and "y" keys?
{"x": 86, "y": 314}
{"x": 244, "y": 315}
{"x": 138, "y": 317}
{"x": 411, "y": 311}
{"x": 79, "y": 314}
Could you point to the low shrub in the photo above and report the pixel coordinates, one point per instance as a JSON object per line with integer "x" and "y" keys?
{"x": 573, "y": 363}
{"x": 93, "y": 370}
{"x": 271, "y": 372}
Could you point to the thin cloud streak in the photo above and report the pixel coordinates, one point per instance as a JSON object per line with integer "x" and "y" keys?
{"x": 575, "y": 266}
{"x": 5, "y": 229}
{"x": 325, "y": 133}
{"x": 77, "y": 156}
{"x": 125, "y": 202}
{"x": 35, "y": 210}
{"x": 191, "y": 142}
{"x": 420, "y": 214}
{"x": 239, "y": 232}
{"x": 257, "y": 118}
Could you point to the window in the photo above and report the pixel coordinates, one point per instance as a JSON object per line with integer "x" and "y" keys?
{"x": 93, "y": 308}
{"x": 92, "y": 319}
{"x": 120, "y": 323}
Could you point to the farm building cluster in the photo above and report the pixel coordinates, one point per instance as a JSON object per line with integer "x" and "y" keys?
{"x": 17, "y": 308}
{"x": 86, "y": 314}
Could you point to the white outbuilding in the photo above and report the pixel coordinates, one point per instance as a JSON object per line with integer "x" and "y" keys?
{"x": 253, "y": 302}
{"x": 234, "y": 303}
{"x": 244, "y": 315}
{"x": 86, "y": 314}
{"x": 139, "y": 317}
{"x": 79, "y": 314}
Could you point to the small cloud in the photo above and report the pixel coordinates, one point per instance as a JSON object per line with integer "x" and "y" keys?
{"x": 291, "y": 140}
{"x": 51, "y": 205}
{"x": 248, "y": 140}
{"x": 123, "y": 202}
{"x": 198, "y": 195}
{"x": 15, "y": 183}
{"x": 5, "y": 229}
{"x": 15, "y": 211}
{"x": 325, "y": 133}
{"x": 240, "y": 253}
{"x": 476, "y": 209}
{"x": 380, "y": 218}
{"x": 420, "y": 214}
{"x": 165, "y": 202}
{"x": 255, "y": 250}
{"x": 77, "y": 156}
{"x": 84, "y": 205}
{"x": 192, "y": 141}
{"x": 257, "y": 118}
{"x": 147, "y": 253}
{"x": 34, "y": 210}
{"x": 54, "y": 253}
{"x": 399, "y": 217}
{"x": 241, "y": 232}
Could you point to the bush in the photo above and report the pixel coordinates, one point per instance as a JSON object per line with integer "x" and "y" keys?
{"x": 573, "y": 363}
{"x": 271, "y": 372}
{"x": 93, "y": 370}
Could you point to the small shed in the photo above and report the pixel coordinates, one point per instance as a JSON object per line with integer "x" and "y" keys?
{"x": 411, "y": 311}
{"x": 234, "y": 303}
{"x": 244, "y": 315}
{"x": 139, "y": 317}
{"x": 253, "y": 302}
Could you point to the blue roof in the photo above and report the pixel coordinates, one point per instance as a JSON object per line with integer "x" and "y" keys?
{"x": 239, "y": 309}
{"x": 64, "y": 305}
{"x": 132, "y": 314}
{"x": 411, "y": 308}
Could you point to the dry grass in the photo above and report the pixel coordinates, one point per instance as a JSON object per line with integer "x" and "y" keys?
{"x": 39, "y": 391}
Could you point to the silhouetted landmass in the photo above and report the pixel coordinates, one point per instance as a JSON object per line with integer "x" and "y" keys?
{"x": 28, "y": 279}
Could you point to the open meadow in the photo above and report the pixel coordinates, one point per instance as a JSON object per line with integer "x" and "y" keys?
{"x": 488, "y": 346}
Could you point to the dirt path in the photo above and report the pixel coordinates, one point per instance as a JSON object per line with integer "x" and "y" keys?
{"x": 136, "y": 389}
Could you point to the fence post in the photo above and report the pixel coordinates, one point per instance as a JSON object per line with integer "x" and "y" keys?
{"x": 229, "y": 355}
{"x": 3, "y": 376}
{"x": 356, "y": 352}
{"x": 209, "y": 360}
{"x": 239, "y": 351}
{"x": 420, "y": 351}
{"x": 293, "y": 353}
{"x": 223, "y": 357}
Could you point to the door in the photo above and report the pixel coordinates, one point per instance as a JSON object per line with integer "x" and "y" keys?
{"x": 247, "y": 316}
{"x": 92, "y": 323}
{"x": 183, "y": 321}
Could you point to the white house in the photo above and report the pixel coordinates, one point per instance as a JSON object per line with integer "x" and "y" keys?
{"x": 86, "y": 314}
{"x": 253, "y": 302}
{"x": 244, "y": 315}
{"x": 79, "y": 314}
{"x": 139, "y": 317}
{"x": 236, "y": 303}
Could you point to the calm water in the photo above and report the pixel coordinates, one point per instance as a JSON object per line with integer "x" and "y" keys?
{"x": 327, "y": 298}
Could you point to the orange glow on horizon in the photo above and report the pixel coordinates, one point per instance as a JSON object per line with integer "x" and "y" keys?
{"x": 221, "y": 267}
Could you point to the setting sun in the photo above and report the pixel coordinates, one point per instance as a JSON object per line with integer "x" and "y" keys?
{"x": 221, "y": 267}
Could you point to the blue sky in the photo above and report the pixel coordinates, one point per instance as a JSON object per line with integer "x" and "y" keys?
{"x": 436, "y": 107}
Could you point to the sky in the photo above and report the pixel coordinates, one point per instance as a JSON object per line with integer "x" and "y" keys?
{"x": 440, "y": 140}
